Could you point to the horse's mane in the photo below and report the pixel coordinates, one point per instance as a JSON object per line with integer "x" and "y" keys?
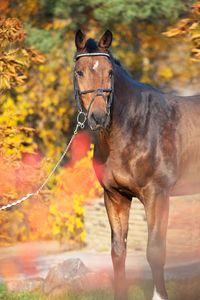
{"x": 126, "y": 73}
{"x": 92, "y": 46}
{"x": 116, "y": 61}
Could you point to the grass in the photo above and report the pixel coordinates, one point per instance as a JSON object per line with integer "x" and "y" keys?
{"x": 187, "y": 289}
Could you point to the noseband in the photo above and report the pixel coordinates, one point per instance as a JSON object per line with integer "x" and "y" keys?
{"x": 97, "y": 92}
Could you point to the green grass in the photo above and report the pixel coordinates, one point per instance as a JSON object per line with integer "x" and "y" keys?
{"x": 139, "y": 290}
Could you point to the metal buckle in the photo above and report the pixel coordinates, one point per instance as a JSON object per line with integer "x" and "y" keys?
{"x": 99, "y": 92}
{"x": 81, "y": 115}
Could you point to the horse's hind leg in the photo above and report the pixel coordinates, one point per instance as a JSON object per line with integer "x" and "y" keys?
{"x": 118, "y": 213}
{"x": 157, "y": 211}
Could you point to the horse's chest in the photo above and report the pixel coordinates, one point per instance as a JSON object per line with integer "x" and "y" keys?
{"x": 132, "y": 168}
{"x": 118, "y": 173}
{"x": 110, "y": 171}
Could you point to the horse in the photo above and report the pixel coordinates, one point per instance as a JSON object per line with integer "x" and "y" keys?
{"x": 146, "y": 145}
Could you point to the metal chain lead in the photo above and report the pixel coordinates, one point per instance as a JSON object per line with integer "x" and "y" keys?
{"x": 80, "y": 124}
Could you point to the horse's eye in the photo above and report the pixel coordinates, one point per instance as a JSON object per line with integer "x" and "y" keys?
{"x": 110, "y": 73}
{"x": 80, "y": 73}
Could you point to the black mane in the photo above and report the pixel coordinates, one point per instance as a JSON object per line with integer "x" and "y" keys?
{"x": 116, "y": 61}
{"x": 91, "y": 46}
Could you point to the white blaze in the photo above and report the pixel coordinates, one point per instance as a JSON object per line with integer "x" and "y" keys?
{"x": 95, "y": 65}
{"x": 156, "y": 296}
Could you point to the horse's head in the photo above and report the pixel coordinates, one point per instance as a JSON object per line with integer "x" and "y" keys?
{"x": 93, "y": 78}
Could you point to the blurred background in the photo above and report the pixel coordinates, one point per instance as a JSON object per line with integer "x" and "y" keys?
{"x": 157, "y": 41}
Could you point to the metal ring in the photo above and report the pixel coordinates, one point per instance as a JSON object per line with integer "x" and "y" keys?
{"x": 80, "y": 115}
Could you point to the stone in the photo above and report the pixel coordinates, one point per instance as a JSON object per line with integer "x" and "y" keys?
{"x": 63, "y": 275}
{"x": 72, "y": 274}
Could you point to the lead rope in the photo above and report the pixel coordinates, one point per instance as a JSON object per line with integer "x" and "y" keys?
{"x": 81, "y": 124}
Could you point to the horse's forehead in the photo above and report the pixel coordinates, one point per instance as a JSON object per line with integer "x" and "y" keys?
{"x": 94, "y": 63}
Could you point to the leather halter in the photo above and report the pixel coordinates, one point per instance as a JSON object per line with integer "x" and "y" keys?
{"x": 98, "y": 92}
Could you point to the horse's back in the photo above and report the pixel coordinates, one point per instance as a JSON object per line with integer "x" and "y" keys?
{"x": 188, "y": 132}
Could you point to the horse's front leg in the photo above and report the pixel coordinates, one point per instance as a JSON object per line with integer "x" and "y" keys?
{"x": 157, "y": 210}
{"x": 118, "y": 207}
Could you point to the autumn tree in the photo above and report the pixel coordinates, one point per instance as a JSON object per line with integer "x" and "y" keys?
{"x": 22, "y": 168}
{"x": 16, "y": 138}
{"x": 191, "y": 28}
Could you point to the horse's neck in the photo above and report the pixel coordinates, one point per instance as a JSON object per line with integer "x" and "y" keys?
{"x": 132, "y": 99}
{"x": 126, "y": 92}
{"x": 125, "y": 95}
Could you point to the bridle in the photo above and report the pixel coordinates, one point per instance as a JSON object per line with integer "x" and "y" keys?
{"x": 97, "y": 92}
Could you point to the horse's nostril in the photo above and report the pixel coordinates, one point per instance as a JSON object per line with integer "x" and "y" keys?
{"x": 97, "y": 118}
{"x": 104, "y": 120}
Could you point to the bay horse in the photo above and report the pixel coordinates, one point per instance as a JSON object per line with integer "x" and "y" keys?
{"x": 147, "y": 145}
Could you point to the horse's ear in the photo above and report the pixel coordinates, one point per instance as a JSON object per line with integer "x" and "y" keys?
{"x": 80, "y": 40}
{"x": 106, "y": 40}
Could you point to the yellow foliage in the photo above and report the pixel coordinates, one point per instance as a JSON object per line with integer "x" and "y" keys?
{"x": 165, "y": 72}
{"x": 18, "y": 176}
{"x": 14, "y": 59}
{"x": 82, "y": 236}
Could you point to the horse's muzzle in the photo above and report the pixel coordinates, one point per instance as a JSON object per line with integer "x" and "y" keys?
{"x": 98, "y": 121}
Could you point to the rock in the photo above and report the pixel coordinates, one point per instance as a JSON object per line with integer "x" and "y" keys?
{"x": 72, "y": 274}
{"x": 63, "y": 274}
{"x": 73, "y": 267}
{"x": 24, "y": 285}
